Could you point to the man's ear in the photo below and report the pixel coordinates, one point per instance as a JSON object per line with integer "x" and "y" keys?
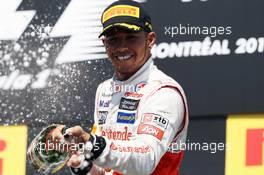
{"x": 151, "y": 39}
{"x": 103, "y": 40}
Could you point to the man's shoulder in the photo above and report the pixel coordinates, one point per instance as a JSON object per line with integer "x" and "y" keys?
{"x": 104, "y": 84}
{"x": 159, "y": 76}
{"x": 107, "y": 81}
{"x": 159, "y": 80}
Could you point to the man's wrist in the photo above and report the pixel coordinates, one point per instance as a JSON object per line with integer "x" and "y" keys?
{"x": 83, "y": 169}
{"x": 85, "y": 136}
{"x": 94, "y": 147}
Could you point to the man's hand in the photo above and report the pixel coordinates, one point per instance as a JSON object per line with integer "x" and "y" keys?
{"x": 66, "y": 139}
{"x": 57, "y": 133}
{"x": 93, "y": 146}
{"x": 79, "y": 165}
{"x": 78, "y": 134}
{"x": 76, "y": 160}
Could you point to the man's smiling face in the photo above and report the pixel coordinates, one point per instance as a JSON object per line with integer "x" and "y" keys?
{"x": 128, "y": 50}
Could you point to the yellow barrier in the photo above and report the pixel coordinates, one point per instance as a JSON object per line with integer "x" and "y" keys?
{"x": 13, "y": 143}
{"x": 245, "y": 135}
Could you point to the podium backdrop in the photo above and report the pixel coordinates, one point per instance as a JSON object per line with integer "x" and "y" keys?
{"x": 51, "y": 62}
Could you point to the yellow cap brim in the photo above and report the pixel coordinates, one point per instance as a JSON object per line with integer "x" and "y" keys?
{"x": 123, "y": 25}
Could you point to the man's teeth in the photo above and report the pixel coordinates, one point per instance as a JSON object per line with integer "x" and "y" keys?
{"x": 125, "y": 57}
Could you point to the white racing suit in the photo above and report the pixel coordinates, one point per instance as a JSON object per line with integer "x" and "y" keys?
{"x": 144, "y": 121}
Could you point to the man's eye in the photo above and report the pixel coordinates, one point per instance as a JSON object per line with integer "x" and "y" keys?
{"x": 111, "y": 41}
{"x": 131, "y": 36}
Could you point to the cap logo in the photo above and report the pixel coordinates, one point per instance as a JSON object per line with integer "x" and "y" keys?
{"x": 120, "y": 10}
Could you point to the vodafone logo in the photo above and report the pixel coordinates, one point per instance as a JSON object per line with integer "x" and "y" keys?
{"x": 150, "y": 130}
{"x": 133, "y": 95}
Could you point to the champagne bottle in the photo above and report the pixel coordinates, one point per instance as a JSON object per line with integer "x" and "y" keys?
{"x": 44, "y": 155}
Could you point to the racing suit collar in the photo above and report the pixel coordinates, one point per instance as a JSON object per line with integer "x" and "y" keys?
{"x": 140, "y": 75}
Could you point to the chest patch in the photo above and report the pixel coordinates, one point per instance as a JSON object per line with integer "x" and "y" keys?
{"x": 128, "y": 104}
{"x": 123, "y": 117}
{"x": 102, "y": 117}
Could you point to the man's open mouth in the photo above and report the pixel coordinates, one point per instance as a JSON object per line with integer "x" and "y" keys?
{"x": 124, "y": 57}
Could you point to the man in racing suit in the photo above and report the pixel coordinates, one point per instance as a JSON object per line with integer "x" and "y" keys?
{"x": 141, "y": 114}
